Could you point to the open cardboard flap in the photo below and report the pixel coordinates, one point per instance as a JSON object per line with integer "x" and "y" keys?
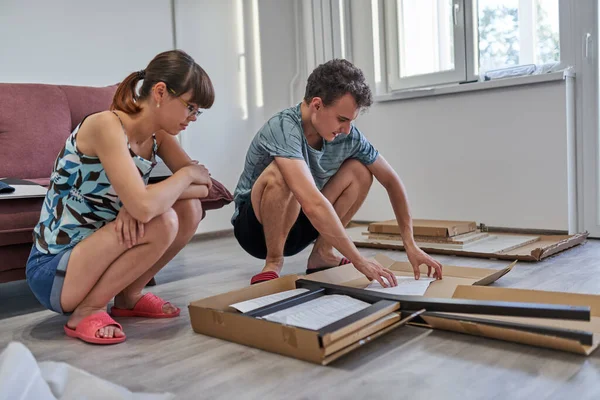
{"x": 530, "y": 296}
{"x": 540, "y": 247}
{"x": 454, "y": 276}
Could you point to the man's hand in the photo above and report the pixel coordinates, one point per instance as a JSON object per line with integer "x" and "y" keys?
{"x": 128, "y": 229}
{"x": 417, "y": 257}
{"x": 372, "y": 270}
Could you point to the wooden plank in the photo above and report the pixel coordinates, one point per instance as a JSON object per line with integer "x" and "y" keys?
{"x": 496, "y": 244}
{"x": 500, "y": 244}
{"x": 458, "y": 239}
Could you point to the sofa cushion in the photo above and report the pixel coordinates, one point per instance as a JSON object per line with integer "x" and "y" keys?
{"x": 16, "y": 236}
{"x": 85, "y": 100}
{"x": 34, "y": 123}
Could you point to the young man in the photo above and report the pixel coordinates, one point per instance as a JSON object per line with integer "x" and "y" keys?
{"x": 307, "y": 172}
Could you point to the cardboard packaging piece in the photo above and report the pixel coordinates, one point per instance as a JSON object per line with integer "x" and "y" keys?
{"x": 542, "y": 247}
{"x": 533, "y": 339}
{"x": 214, "y": 317}
{"x": 426, "y": 227}
{"x": 454, "y": 276}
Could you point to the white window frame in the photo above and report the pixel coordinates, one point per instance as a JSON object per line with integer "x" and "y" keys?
{"x": 327, "y": 31}
{"x": 466, "y": 57}
{"x": 393, "y": 56}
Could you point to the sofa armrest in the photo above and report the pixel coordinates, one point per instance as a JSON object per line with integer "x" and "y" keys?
{"x": 16, "y": 236}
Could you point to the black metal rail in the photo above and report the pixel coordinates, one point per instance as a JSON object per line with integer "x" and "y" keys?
{"x": 462, "y": 306}
{"x": 583, "y": 337}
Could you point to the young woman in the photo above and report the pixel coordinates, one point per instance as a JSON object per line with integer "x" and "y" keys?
{"x": 103, "y": 232}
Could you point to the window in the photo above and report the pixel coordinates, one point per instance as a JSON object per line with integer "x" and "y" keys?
{"x": 517, "y": 32}
{"x": 435, "y": 42}
{"x": 425, "y": 42}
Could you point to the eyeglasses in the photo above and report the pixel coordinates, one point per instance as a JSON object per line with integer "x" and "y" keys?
{"x": 191, "y": 109}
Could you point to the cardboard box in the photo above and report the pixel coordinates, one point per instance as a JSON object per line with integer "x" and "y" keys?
{"x": 213, "y": 316}
{"x": 531, "y": 296}
{"x": 454, "y": 276}
{"x": 426, "y": 227}
{"x": 544, "y": 246}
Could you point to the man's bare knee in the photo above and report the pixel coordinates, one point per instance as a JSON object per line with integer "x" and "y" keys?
{"x": 360, "y": 173}
{"x": 274, "y": 178}
{"x": 270, "y": 186}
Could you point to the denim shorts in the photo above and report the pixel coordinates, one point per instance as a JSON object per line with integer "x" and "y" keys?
{"x": 46, "y": 275}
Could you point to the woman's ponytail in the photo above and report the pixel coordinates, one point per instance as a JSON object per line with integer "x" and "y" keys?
{"x": 125, "y": 96}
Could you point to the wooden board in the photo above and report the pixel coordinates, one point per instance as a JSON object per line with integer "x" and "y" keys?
{"x": 500, "y": 244}
{"x": 491, "y": 244}
{"x": 458, "y": 239}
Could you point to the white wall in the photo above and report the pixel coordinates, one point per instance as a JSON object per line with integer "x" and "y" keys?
{"x": 80, "y": 42}
{"x": 278, "y": 53}
{"x": 208, "y": 30}
{"x": 497, "y": 157}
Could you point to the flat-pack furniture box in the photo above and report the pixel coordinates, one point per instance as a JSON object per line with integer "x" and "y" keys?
{"x": 214, "y": 316}
{"x": 426, "y": 227}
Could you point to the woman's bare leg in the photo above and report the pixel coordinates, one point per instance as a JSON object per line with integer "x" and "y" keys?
{"x": 100, "y": 267}
{"x": 189, "y": 214}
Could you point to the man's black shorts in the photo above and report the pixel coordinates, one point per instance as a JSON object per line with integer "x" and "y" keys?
{"x": 250, "y": 234}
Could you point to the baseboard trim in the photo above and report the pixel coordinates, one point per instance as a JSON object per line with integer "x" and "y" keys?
{"x": 213, "y": 235}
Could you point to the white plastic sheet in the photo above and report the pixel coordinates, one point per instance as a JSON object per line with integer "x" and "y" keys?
{"x": 23, "y": 378}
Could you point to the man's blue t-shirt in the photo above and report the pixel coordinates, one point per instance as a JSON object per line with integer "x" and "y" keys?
{"x": 283, "y": 136}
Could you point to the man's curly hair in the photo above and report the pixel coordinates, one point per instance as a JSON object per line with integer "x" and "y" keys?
{"x": 334, "y": 79}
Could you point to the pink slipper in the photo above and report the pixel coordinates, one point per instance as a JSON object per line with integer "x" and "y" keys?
{"x": 87, "y": 328}
{"x": 263, "y": 277}
{"x": 149, "y": 306}
{"x": 343, "y": 261}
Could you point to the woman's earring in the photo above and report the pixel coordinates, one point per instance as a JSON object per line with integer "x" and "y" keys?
{"x": 157, "y": 105}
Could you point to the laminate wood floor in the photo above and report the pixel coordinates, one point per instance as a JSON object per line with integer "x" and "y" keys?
{"x": 411, "y": 362}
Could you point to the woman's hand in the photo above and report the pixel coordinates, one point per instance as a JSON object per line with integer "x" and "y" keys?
{"x": 129, "y": 230}
{"x": 199, "y": 174}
